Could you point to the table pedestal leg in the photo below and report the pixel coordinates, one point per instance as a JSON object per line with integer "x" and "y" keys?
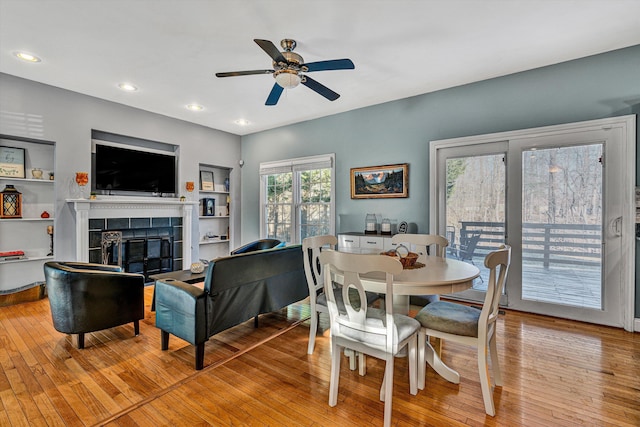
{"x": 401, "y": 304}
{"x": 433, "y": 359}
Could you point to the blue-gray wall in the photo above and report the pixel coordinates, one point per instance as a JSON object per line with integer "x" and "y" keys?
{"x": 596, "y": 87}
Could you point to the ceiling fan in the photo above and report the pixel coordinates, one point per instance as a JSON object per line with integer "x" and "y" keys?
{"x": 289, "y": 70}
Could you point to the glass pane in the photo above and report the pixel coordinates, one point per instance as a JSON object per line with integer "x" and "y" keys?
{"x": 278, "y": 208}
{"x": 561, "y": 225}
{"x": 475, "y": 209}
{"x": 315, "y": 197}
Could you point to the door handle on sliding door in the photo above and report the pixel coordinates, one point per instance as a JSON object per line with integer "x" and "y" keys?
{"x": 615, "y": 227}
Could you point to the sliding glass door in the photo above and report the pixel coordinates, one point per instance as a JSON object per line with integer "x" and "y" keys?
{"x": 562, "y": 197}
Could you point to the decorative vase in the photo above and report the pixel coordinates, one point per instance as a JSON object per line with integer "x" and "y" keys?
{"x": 370, "y": 224}
{"x": 385, "y": 226}
{"x": 82, "y": 179}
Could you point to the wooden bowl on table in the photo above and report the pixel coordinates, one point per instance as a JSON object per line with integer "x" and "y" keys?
{"x": 407, "y": 260}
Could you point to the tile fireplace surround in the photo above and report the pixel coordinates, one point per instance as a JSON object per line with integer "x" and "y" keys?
{"x": 124, "y": 207}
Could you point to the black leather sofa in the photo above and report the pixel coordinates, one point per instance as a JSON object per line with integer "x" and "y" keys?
{"x": 88, "y": 297}
{"x": 236, "y": 289}
{"x": 258, "y": 245}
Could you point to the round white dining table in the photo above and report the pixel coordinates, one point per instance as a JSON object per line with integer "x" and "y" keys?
{"x": 438, "y": 276}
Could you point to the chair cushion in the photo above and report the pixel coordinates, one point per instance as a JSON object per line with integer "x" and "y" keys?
{"x": 422, "y": 300}
{"x": 451, "y": 318}
{"x": 353, "y": 296}
{"x": 405, "y": 326}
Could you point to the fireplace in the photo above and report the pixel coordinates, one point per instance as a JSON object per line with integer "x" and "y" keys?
{"x": 143, "y": 235}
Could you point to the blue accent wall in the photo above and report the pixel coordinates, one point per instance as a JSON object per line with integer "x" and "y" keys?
{"x": 595, "y": 87}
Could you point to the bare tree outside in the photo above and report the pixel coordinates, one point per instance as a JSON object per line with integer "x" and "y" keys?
{"x": 561, "y": 215}
{"x": 313, "y": 204}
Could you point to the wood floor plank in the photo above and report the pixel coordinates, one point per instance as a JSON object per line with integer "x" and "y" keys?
{"x": 12, "y": 409}
{"x": 556, "y": 372}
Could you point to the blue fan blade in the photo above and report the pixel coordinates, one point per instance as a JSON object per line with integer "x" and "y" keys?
{"x": 334, "y": 64}
{"x": 271, "y": 50}
{"x": 243, "y": 73}
{"x": 274, "y": 96}
{"x": 320, "y": 88}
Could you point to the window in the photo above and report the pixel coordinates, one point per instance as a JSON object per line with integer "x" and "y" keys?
{"x": 297, "y": 198}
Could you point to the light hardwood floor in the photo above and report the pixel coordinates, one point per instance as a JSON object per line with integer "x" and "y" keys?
{"x": 556, "y": 373}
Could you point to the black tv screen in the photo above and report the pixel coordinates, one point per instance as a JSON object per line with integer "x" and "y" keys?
{"x": 120, "y": 169}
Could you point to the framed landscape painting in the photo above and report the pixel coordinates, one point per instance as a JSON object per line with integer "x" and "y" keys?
{"x": 378, "y": 182}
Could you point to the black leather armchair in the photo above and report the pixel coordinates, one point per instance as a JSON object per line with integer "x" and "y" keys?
{"x": 257, "y": 245}
{"x": 90, "y": 297}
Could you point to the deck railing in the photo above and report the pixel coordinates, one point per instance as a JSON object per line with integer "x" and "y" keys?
{"x": 575, "y": 244}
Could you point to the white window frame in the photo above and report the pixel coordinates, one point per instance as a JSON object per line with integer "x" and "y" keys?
{"x": 296, "y": 166}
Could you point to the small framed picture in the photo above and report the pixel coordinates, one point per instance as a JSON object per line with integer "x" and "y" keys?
{"x": 207, "y": 207}
{"x": 206, "y": 180}
{"x": 12, "y": 162}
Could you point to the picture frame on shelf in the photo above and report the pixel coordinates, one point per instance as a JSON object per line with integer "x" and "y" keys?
{"x": 206, "y": 181}
{"x": 380, "y": 182}
{"x": 207, "y": 207}
{"x": 12, "y": 162}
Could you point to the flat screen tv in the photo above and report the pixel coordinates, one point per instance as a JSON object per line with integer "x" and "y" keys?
{"x": 119, "y": 170}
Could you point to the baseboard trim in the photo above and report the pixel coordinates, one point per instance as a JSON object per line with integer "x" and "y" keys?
{"x": 29, "y": 293}
{"x": 636, "y": 325}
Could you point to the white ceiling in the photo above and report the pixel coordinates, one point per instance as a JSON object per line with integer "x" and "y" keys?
{"x": 171, "y": 49}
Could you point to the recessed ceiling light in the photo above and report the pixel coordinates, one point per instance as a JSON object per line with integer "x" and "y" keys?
{"x": 27, "y": 57}
{"x": 128, "y": 87}
{"x": 195, "y": 107}
{"x": 242, "y": 122}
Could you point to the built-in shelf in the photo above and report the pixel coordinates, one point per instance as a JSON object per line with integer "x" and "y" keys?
{"x": 213, "y": 192}
{"x": 26, "y": 219}
{"x": 28, "y": 259}
{"x": 218, "y": 224}
{"x": 213, "y": 241}
{"x": 29, "y": 233}
{"x": 42, "y": 180}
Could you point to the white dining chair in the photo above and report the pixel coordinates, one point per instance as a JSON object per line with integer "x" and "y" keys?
{"x": 468, "y": 325}
{"x": 376, "y": 332}
{"x": 311, "y": 248}
{"x": 424, "y": 245}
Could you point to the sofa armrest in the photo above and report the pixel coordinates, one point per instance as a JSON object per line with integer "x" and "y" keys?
{"x": 258, "y": 245}
{"x": 181, "y": 310}
{"x": 96, "y": 267}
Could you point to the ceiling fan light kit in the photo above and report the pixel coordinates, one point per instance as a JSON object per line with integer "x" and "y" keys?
{"x": 288, "y": 79}
{"x": 288, "y": 69}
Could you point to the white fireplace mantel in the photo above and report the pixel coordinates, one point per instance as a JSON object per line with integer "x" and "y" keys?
{"x": 86, "y": 209}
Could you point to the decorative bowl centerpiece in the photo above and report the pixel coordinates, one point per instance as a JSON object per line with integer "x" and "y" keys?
{"x": 407, "y": 258}
{"x": 197, "y": 267}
